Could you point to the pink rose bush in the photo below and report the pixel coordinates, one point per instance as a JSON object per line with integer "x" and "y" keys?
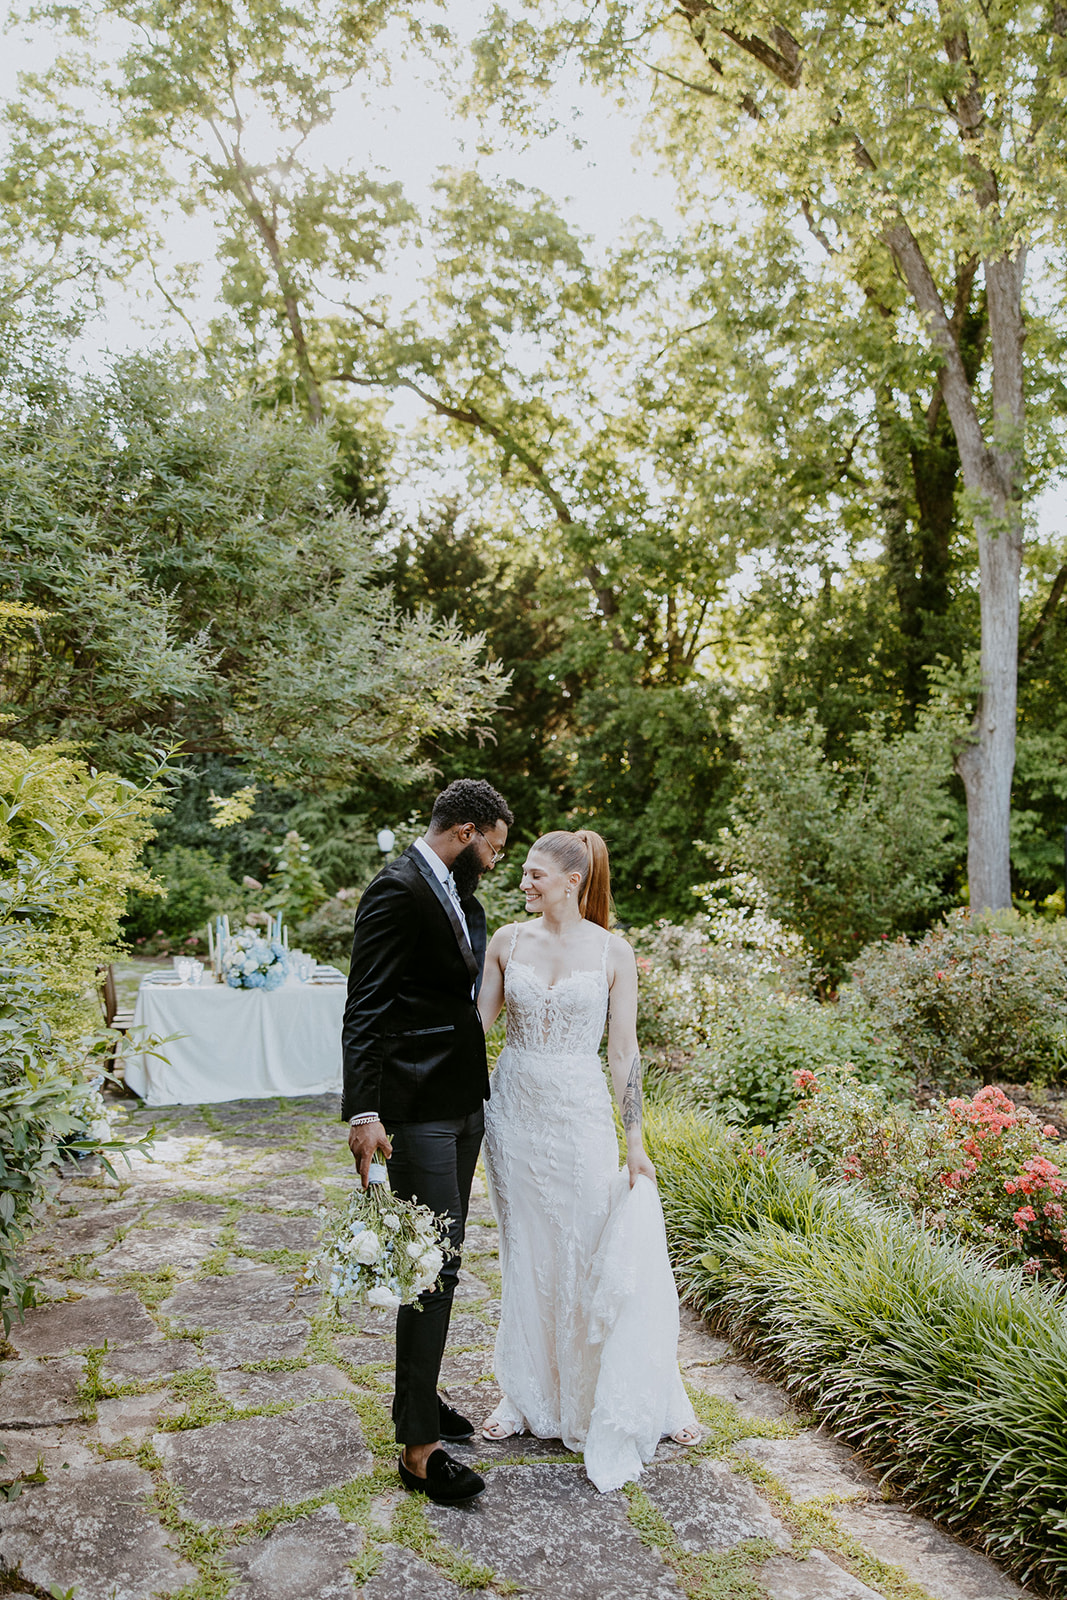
{"x": 981, "y": 1167}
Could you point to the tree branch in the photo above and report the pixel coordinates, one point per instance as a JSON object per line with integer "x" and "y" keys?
{"x": 472, "y": 418}
{"x": 1055, "y": 595}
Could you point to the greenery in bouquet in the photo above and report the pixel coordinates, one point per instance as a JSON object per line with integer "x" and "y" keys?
{"x": 980, "y": 1167}
{"x": 377, "y": 1249}
{"x": 250, "y": 961}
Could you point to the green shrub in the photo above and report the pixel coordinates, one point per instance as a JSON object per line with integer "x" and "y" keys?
{"x": 847, "y": 847}
{"x": 947, "y": 1374}
{"x": 976, "y": 999}
{"x": 749, "y": 1072}
{"x": 70, "y": 845}
{"x": 713, "y": 1004}
{"x": 196, "y": 886}
{"x": 327, "y": 933}
{"x": 695, "y": 975}
{"x": 982, "y": 1168}
{"x": 294, "y": 888}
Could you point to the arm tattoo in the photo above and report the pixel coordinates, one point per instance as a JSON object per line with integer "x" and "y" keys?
{"x": 631, "y": 1096}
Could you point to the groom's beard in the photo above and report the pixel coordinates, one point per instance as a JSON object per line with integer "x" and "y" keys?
{"x": 467, "y": 870}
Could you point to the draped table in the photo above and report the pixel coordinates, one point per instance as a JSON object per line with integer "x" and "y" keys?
{"x": 237, "y": 1044}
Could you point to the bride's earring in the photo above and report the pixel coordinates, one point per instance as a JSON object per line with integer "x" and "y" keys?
{"x": 567, "y": 893}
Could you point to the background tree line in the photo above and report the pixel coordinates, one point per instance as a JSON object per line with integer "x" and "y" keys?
{"x": 727, "y": 555}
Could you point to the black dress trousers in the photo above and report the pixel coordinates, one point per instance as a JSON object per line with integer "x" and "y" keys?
{"x": 432, "y": 1162}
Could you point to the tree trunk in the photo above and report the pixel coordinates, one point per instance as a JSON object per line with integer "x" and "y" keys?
{"x": 986, "y": 765}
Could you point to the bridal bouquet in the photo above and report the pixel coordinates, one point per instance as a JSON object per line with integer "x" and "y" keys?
{"x": 377, "y": 1249}
{"x": 251, "y": 962}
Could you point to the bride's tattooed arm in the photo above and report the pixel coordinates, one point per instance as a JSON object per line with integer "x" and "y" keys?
{"x": 632, "y": 1096}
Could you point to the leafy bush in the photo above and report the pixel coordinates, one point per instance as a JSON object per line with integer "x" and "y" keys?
{"x": 845, "y": 849}
{"x": 327, "y": 933}
{"x": 750, "y": 1072}
{"x": 70, "y": 843}
{"x": 196, "y": 886}
{"x": 68, "y": 840}
{"x": 693, "y": 973}
{"x": 946, "y": 1374}
{"x": 977, "y": 998}
{"x": 979, "y": 1168}
{"x": 709, "y": 1005}
{"x": 295, "y": 887}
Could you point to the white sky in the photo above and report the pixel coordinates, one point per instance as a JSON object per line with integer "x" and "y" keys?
{"x": 411, "y": 130}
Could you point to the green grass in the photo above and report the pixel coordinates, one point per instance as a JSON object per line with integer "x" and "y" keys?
{"x": 949, "y": 1377}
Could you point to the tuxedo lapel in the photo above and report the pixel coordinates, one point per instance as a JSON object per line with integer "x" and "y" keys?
{"x": 444, "y": 899}
{"x": 474, "y": 912}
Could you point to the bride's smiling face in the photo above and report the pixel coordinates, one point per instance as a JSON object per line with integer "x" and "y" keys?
{"x": 545, "y": 885}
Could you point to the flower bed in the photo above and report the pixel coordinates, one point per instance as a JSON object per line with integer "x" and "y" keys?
{"x": 949, "y": 1376}
{"x": 982, "y": 1167}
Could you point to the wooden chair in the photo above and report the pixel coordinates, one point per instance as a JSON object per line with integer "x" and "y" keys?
{"x": 115, "y": 1016}
{"x": 116, "y": 1019}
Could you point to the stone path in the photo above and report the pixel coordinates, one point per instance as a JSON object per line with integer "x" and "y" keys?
{"x": 185, "y": 1428}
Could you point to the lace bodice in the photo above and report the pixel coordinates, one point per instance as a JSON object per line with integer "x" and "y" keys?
{"x": 564, "y": 1018}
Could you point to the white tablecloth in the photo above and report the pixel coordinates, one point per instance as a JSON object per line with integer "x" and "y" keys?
{"x": 238, "y": 1044}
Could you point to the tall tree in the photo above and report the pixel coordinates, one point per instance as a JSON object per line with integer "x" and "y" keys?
{"x": 925, "y": 151}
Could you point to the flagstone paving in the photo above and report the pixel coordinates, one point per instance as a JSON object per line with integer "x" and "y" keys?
{"x": 184, "y": 1423}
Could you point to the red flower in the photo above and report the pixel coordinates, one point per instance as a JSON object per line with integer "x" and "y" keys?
{"x": 1024, "y": 1216}
{"x": 1050, "y": 1131}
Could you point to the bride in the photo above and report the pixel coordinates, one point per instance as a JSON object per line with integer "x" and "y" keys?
{"x": 586, "y": 1349}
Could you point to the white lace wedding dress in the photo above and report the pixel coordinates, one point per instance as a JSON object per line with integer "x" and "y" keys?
{"x": 587, "y": 1347}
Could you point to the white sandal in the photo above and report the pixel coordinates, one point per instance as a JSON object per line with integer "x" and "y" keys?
{"x": 497, "y": 1430}
{"x": 690, "y": 1434}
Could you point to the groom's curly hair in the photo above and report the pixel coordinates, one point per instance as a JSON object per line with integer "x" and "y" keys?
{"x": 470, "y": 800}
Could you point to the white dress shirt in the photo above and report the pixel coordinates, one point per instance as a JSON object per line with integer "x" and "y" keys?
{"x": 443, "y": 875}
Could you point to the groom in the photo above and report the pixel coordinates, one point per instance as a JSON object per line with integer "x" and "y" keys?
{"x": 414, "y": 1061}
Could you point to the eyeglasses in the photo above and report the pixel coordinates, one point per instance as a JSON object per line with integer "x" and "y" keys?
{"x": 498, "y": 855}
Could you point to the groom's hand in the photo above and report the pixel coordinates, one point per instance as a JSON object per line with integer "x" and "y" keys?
{"x": 364, "y": 1141}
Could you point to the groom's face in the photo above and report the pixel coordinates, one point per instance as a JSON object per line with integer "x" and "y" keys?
{"x": 479, "y": 856}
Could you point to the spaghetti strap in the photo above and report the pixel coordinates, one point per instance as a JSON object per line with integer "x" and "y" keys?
{"x": 604, "y": 955}
{"x": 511, "y": 946}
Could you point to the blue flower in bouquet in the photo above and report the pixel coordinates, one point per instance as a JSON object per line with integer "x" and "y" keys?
{"x": 252, "y": 962}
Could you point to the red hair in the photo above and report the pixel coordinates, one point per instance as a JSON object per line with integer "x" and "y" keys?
{"x": 584, "y": 852}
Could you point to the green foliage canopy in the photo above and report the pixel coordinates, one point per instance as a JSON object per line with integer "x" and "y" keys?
{"x": 202, "y": 584}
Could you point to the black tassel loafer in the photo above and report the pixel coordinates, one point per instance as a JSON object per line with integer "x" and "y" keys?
{"x": 446, "y": 1480}
{"x": 452, "y": 1427}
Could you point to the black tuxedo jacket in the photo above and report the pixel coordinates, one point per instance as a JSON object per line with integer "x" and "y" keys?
{"x": 414, "y": 1048}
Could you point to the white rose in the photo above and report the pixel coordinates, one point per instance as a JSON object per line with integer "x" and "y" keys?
{"x": 391, "y": 1221}
{"x": 426, "y": 1226}
{"x": 431, "y": 1262}
{"x": 415, "y": 1250}
{"x": 367, "y": 1248}
{"x": 381, "y": 1296}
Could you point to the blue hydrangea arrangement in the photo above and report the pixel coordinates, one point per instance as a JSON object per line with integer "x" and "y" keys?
{"x": 251, "y": 962}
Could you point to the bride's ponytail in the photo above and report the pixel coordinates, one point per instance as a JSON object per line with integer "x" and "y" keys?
{"x": 594, "y": 901}
{"x": 584, "y": 852}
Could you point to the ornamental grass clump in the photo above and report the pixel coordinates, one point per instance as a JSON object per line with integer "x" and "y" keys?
{"x": 982, "y": 1167}
{"x": 950, "y": 1376}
